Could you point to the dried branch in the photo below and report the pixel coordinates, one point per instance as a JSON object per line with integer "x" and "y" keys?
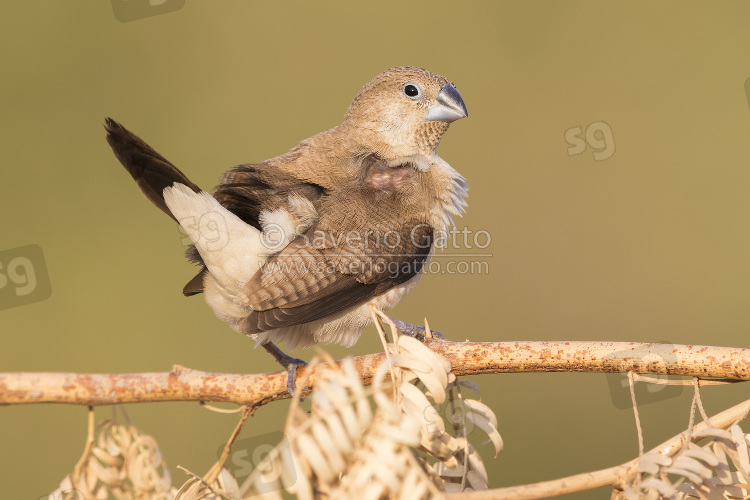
{"x": 467, "y": 358}
{"x": 613, "y": 476}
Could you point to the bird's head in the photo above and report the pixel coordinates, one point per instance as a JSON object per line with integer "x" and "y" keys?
{"x": 405, "y": 111}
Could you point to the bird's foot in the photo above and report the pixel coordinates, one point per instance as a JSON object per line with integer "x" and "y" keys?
{"x": 289, "y": 363}
{"x": 418, "y": 332}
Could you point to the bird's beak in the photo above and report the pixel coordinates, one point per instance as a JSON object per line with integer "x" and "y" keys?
{"x": 449, "y": 106}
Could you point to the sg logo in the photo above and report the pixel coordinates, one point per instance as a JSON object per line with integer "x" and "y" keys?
{"x": 598, "y": 136}
{"x": 210, "y": 229}
{"x": 23, "y": 276}
{"x": 645, "y": 393}
{"x": 132, "y": 10}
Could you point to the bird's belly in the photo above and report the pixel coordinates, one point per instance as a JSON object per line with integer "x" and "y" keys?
{"x": 223, "y": 301}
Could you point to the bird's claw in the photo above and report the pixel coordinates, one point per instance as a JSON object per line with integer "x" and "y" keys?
{"x": 291, "y": 371}
{"x": 289, "y": 363}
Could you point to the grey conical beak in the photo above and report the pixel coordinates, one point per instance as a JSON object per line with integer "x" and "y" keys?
{"x": 449, "y": 106}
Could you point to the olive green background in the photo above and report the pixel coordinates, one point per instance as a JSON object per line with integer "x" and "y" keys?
{"x": 651, "y": 244}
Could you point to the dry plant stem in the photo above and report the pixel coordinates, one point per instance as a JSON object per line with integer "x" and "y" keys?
{"x": 377, "y": 315}
{"x": 213, "y": 473}
{"x": 691, "y": 421}
{"x": 216, "y": 409}
{"x": 459, "y": 431}
{"x": 198, "y": 478}
{"x": 696, "y": 388}
{"x": 467, "y": 358}
{"x": 87, "y": 449}
{"x": 614, "y": 476}
{"x": 637, "y": 417}
{"x": 670, "y": 381}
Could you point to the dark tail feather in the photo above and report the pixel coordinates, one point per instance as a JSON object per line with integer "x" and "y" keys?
{"x": 195, "y": 285}
{"x": 151, "y": 171}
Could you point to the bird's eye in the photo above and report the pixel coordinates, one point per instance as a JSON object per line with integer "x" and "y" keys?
{"x": 411, "y": 90}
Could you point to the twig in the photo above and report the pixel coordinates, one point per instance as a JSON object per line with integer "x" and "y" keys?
{"x": 691, "y": 382}
{"x": 637, "y": 417}
{"x": 214, "y": 472}
{"x": 691, "y": 420}
{"x": 696, "y": 388}
{"x": 87, "y": 449}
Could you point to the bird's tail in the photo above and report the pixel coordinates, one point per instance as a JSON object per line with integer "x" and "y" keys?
{"x": 232, "y": 249}
{"x": 150, "y": 170}
{"x": 153, "y": 174}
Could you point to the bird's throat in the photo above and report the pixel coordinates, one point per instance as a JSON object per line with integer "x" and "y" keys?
{"x": 428, "y": 135}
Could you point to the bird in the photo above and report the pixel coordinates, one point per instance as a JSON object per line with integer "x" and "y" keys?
{"x": 296, "y": 248}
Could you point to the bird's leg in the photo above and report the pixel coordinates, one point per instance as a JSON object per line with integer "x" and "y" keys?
{"x": 418, "y": 332}
{"x": 289, "y": 363}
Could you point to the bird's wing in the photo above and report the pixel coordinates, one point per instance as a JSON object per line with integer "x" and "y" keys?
{"x": 309, "y": 281}
{"x": 246, "y": 190}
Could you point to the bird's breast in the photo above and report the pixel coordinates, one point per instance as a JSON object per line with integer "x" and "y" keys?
{"x": 381, "y": 177}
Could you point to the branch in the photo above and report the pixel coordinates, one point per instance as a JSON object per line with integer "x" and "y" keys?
{"x": 613, "y": 476}
{"x": 467, "y": 358}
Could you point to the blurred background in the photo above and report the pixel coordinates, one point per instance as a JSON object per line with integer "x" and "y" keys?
{"x": 606, "y": 152}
